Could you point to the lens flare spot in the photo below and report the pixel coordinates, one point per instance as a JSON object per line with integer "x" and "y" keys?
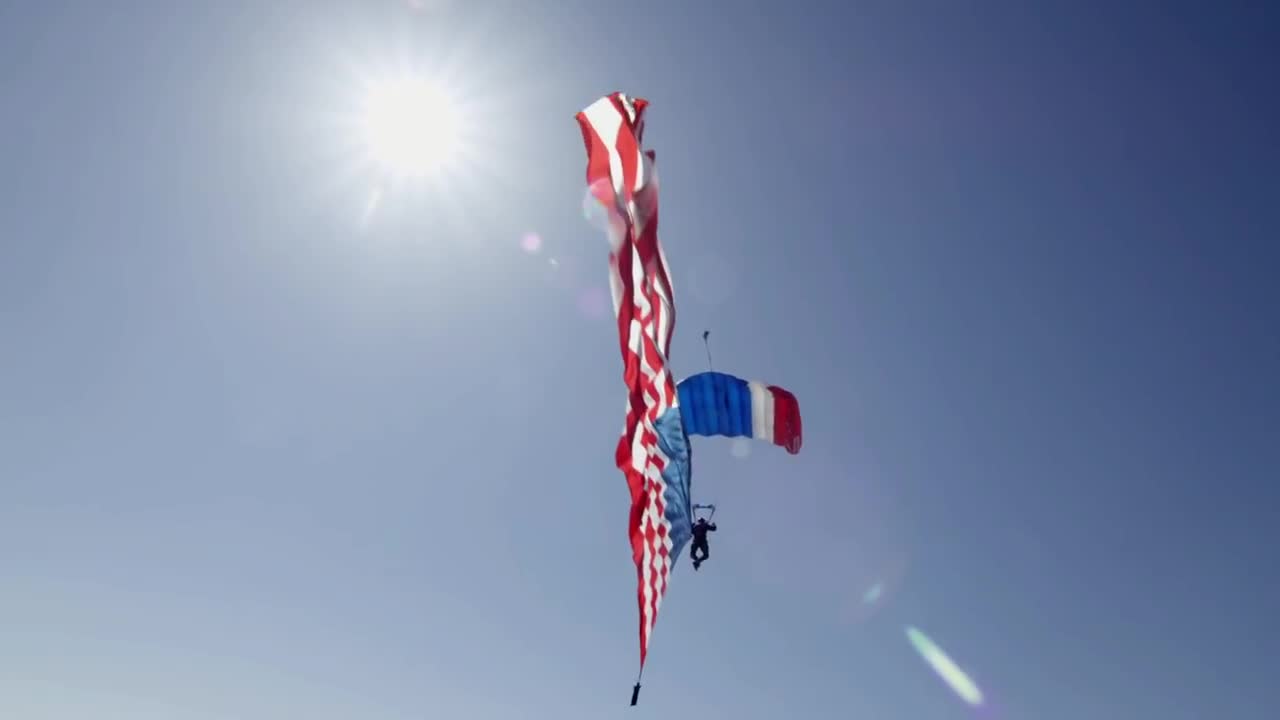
{"x": 594, "y": 204}
{"x": 531, "y": 242}
{"x": 600, "y": 212}
{"x": 946, "y": 669}
{"x": 873, "y": 593}
{"x": 371, "y": 206}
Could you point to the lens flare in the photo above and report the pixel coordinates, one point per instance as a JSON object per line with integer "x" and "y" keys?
{"x": 946, "y": 669}
{"x": 873, "y": 593}
{"x": 594, "y": 209}
{"x": 600, "y": 212}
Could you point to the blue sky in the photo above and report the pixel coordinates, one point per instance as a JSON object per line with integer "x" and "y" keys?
{"x": 265, "y": 455}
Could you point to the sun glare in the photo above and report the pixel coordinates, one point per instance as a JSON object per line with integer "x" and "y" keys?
{"x": 414, "y": 132}
{"x": 410, "y": 125}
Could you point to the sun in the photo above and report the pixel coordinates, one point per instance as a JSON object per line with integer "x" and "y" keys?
{"x": 410, "y": 125}
{"x": 415, "y": 127}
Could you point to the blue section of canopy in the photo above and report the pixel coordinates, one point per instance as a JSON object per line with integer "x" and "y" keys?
{"x": 713, "y": 403}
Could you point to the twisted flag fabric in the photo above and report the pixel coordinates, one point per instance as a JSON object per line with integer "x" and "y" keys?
{"x": 653, "y": 452}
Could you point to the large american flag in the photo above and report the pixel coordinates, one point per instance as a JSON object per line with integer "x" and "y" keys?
{"x": 653, "y": 450}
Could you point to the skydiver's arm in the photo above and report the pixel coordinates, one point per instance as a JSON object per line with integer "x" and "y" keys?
{"x": 712, "y": 527}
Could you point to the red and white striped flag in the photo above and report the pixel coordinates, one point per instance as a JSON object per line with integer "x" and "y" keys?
{"x": 621, "y": 177}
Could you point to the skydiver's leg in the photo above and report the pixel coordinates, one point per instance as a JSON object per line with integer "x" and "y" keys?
{"x": 693, "y": 553}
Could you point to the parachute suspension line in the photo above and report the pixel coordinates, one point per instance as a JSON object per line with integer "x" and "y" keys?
{"x": 635, "y": 691}
{"x": 707, "y": 344}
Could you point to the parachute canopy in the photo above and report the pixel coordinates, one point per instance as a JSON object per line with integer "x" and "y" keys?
{"x": 714, "y": 403}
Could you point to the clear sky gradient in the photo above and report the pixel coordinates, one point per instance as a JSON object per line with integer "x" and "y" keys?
{"x": 271, "y": 450}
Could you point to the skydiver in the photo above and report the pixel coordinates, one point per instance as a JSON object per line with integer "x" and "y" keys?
{"x": 700, "y": 530}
